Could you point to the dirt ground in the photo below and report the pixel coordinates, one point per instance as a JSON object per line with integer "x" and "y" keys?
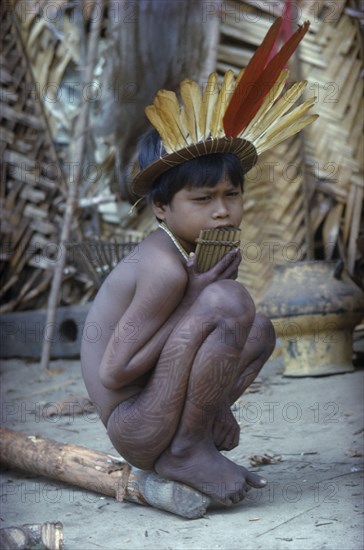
{"x": 311, "y": 428}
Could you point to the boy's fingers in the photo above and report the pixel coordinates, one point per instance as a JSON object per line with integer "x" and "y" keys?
{"x": 191, "y": 262}
{"x": 226, "y": 262}
{"x": 234, "y": 261}
{"x": 230, "y": 271}
{"x": 254, "y": 480}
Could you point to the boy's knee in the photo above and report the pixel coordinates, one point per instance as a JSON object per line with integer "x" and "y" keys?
{"x": 263, "y": 333}
{"x": 228, "y": 299}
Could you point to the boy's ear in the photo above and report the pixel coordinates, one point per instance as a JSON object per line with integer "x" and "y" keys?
{"x": 159, "y": 210}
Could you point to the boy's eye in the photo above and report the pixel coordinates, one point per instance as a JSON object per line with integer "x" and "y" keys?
{"x": 201, "y": 198}
{"x": 233, "y": 193}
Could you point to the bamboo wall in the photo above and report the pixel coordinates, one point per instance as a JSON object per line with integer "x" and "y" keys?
{"x": 304, "y": 199}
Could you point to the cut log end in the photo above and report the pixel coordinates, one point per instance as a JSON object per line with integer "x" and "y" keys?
{"x": 171, "y": 496}
{"x": 47, "y": 536}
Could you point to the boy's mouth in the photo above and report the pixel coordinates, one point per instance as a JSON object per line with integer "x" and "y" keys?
{"x": 225, "y": 227}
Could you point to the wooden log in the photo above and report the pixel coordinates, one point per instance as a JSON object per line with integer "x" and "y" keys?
{"x": 47, "y": 536}
{"x": 99, "y": 472}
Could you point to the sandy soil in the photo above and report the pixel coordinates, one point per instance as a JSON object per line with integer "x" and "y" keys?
{"x": 311, "y": 427}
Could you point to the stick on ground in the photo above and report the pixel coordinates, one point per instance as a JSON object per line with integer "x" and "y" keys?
{"x": 98, "y": 472}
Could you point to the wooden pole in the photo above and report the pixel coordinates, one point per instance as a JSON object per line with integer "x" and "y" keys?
{"x": 78, "y": 147}
{"x": 99, "y": 472}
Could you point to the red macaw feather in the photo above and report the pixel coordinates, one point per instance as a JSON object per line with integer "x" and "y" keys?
{"x": 263, "y": 83}
{"x": 251, "y": 73}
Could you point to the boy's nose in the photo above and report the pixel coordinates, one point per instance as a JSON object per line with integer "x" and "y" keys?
{"x": 220, "y": 210}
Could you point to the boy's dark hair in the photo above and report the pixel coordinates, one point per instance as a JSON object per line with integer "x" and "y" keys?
{"x": 205, "y": 171}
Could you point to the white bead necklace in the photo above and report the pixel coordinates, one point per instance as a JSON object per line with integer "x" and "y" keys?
{"x": 174, "y": 240}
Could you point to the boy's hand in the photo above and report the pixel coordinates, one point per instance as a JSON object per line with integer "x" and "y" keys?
{"x": 226, "y": 268}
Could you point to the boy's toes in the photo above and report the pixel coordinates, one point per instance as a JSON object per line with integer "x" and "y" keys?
{"x": 228, "y": 501}
{"x": 236, "y": 496}
{"x": 241, "y": 493}
{"x": 254, "y": 480}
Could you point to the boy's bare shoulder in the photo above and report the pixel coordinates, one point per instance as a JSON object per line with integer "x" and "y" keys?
{"x": 156, "y": 257}
{"x": 150, "y": 262}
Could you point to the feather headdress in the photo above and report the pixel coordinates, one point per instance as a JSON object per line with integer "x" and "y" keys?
{"x": 246, "y": 116}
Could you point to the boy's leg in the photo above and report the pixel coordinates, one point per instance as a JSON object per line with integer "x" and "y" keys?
{"x": 197, "y": 371}
{"x": 142, "y": 427}
{"x": 258, "y": 348}
{"x": 192, "y": 456}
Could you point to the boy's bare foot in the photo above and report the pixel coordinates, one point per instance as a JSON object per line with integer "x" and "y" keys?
{"x": 208, "y": 471}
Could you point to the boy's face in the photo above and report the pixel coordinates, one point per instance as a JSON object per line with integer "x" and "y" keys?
{"x": 196, "y": 208}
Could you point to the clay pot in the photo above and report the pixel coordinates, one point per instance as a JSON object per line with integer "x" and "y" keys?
{"x": 314, "y": 312}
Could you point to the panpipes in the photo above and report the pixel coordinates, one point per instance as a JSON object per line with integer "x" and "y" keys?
{"x": 213, "y": 244}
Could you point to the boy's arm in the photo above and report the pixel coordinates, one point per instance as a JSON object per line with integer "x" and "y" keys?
{"x": 142, "y": 331}
{"x": 161, "y": 299}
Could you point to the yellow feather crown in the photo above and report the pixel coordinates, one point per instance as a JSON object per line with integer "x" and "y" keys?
{"x": 196, "y": 127}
